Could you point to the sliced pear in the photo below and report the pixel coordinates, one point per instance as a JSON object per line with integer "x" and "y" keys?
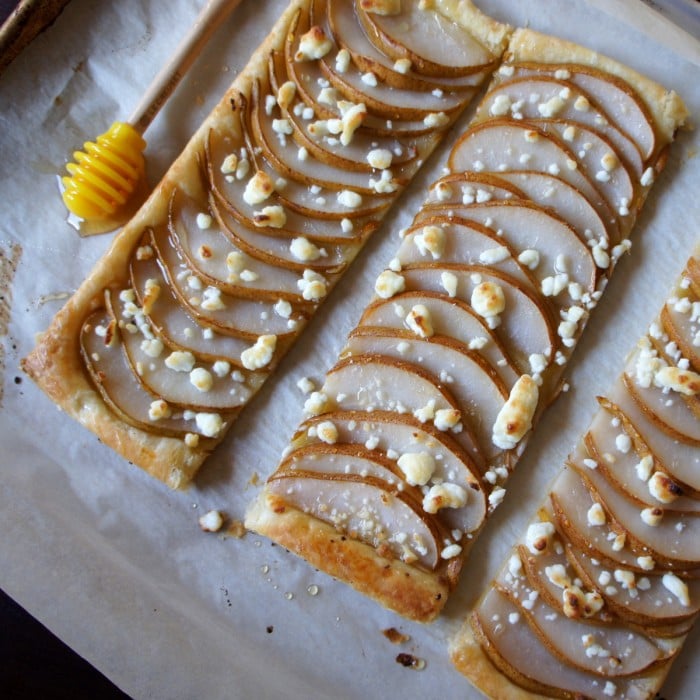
{"x": 328, "y": 148}
{"x": 620, "y": 470}
{"x": 308, "y": 77}
{"x": 449, "y": 317}
{"x": 535, "y": 98}
{"x": 525, "y": 328}
{"x": 338, "y": 460}
{"x": 349, "y": 35}
{"x": 479, "y": 391}
{"x": 524, "y": 225}
{"x": 668, "y": 410}
{"x": 649, "y": 605}
{"x": 367, "y": 509}
{"x": 393, "y": 435}
{"x": 463, "y": 241}
{"x": 293, "y": 195}
{"x": 501, "y": 145}
{"x": 677, "y": 459}
{"x": 615, "y": 97}
{"x": 174, "y": 326}
{"x": 623, "y": 652}
{"x": 555, "y": 193}
{"x": 219, "y": 263}
{"x": 197, "y": 388}
{"x": 227, "y": 314}
{"x": 469, "y": 187}
{"x": 517, "y": 651}
{"x": 394, "y": 103}
{"x": 434, "y": 44}
{"x": 377, "y": 383}
{"x": 279, "y": 252}
{"x": 682, "y": 330}
{"x": 113, "y": 377}
{"x": 283, "y": 154}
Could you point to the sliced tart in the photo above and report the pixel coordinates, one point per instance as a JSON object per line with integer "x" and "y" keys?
{"x": 472, "y": 323}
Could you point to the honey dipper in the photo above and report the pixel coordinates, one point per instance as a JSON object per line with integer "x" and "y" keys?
{"x": 109, "y": 170}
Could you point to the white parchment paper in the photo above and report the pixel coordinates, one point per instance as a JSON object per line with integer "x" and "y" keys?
{"x": 115, "y": 563}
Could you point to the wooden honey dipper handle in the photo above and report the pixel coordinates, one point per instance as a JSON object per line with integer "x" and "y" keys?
{"x": 209, "y": 19}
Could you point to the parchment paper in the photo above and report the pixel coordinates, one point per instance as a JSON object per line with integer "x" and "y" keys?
{"x": 115, "y": 563}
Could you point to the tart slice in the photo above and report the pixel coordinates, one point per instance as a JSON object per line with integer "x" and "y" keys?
{"x": 471, "y": 324}
{"x": 604, "y": 586}
{"x": 210, "y": 283}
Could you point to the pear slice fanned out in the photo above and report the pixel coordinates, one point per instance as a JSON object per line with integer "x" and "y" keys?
{"x": 218, "y": 262}
{"x": 278, "y": 251}
{"x": 465, "y": 242}
{"x": 679, "y": 460}
{"x": 365, "y": 508}
{"x": 553, "y": 192}
{"x": 377, "y": 383}
{"x": 349, "y": 35}
{"x": 292, "y": 194}
{"x": 180, "y": 386}
{"x": 682, "y": 328}
{"x": 449, "y": 317}
{"x": 525, "y": 329}
{"x": 174, "y": 326}
{"x": 444, "y": 49}
{"x": 283, "y": 154}
{"x": 479, "y": 391}
{"x": 673, "y": 542}
{"x": 227, "y": 314}
{"x": 516, "y": 650}
{"x": 114, "y": 378}
{"x": 500, "y": 145}
{"x": 327, "y": 147}
{"x": 548, "y": 98}
{"x": 394, "y": 435}
{"x": 624, "y": 471}
{"x": 469, "y": 186}
{"x": 620, "y": 652}
{"x": 524, "y": 225}
{"x": 647, "y": 602}
{"x": 614, "y": 96}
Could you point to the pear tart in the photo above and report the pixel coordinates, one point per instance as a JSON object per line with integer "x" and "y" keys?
{"x": 407, "y": 447}
{"x": 596, "y": 599}
{"x": 213, "y": 279}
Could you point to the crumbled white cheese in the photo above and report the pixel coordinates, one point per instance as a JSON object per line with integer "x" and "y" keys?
{"x": 388, "y": 284}
{"x": 201, "y": 379}
{"x": 515, "y": 417}
{"x": 444, "y": 495}
{"x": 313, "y": 45}
{"x": 259, "y": 355}
{"x": 211, "y": 521}
{"x": 419, "y": 321}
{"x": 159, "y": 409}
{"x": 418, "y": 467}
{"x": 302, "y": 249}
{"x": 259, "y": 188}
{"x": 273, "y": 216}
{"x": 677, "y": 587}
{"x": 327, "y": 432}
{"x": 209, "y": 424}
{"x": 180, "y": 361}
{"x": 539, "y": 537}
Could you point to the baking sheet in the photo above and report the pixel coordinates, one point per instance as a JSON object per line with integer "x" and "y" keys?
{"x": 115, "y": 563}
